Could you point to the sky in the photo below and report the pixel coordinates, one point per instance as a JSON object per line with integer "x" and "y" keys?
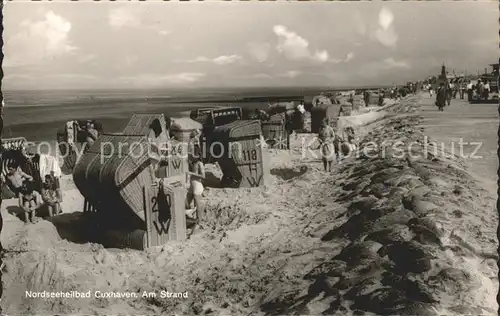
{"x": 68, "y": 45}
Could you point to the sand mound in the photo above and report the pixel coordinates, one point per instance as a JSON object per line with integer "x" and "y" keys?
{"x": 403, "y": 256}
{"x": 382, "y": 234}
{"x": 24, "y": 241}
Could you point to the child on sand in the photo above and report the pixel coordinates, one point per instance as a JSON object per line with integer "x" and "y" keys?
{"x": 29, "y": 201}
{"x": 326, "y": 137}
{"x": 349, "y": 144}
{"x": 49, "y": 196}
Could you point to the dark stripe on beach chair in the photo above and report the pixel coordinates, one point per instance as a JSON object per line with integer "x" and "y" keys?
{"x": 134, "y": 174}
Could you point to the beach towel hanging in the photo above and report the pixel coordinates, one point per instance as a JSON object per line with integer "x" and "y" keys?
{"x": 49, "y": 164}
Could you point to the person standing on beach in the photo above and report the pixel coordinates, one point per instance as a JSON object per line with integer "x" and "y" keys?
{"x": 486, "y": 90}
{"x": 441, "y": 97}
{"x": 449, "y": 93}
{"x": 462, "y": 89}
{"x": 301, "y": 108}
{"x": 157, "y": 137}
{"x": 196, "y": 175}
{"x": 470, "y": 90}
{"x": 326, "y": 138}
{"x": 455, "y": 88}
{"x": 479, "y": 89}
{"x": 261, "y": 115}
{"x": 91, "y": 134}
{"x": 195, "y": 138}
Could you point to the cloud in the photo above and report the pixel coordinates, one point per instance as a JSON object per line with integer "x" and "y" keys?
{"x": 295, "y": 47}
{"x": 291, "y": 74}
{"x": 391, "y": 63}
{"x": 185, "y": 77}
{"x": 387, "y": 38}
{"x": 259, "y": 51}
{"x": 288, "y": 74}
{"x": 348, "y": 57}
{"x": 50, "y": 80}
{"x": 158, "y": 80}
{"x": 221, "y": 60}
{"x": 70, "y": 76}
{"x": 12, "y": 76}
{"x": 385, "y": 18}
{"x": 224, "y": 60}
{"x": 164, "y": 32}
{"x": 123, "y": 17}
{"x": 87, "y": 58}
{"x": 359, "y": 24}
{"x": 130, "y": 60}
{"x": 321, "y": 56}
{"x": 386, "y": 34}
{"x": 483, "y": 42}
{"x": 255, "y": 76}
{"x": 385, "y": 67}
{"x": 39, "y": 40}
{"x": 199, "y": 59}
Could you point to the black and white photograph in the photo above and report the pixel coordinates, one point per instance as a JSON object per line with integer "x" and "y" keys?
{"x": 249, "y": 158}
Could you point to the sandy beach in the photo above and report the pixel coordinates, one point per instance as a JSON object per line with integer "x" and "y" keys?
{"x": 306, "y": 243}
{"x": 476, "y": 125}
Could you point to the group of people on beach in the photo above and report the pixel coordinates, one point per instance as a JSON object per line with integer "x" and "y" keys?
{"x": 332, "y": 147}
{"x": 481, "y": 89}
{"x": 460, "y": 87}
{"x": 30, "y": 200}
{"x": 449, "y": 90}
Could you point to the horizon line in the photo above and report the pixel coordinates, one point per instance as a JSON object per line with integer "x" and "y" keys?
{"x": 347, "y": 87}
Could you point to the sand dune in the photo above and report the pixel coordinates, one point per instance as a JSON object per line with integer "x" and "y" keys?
{"x": 381, "y": 234}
